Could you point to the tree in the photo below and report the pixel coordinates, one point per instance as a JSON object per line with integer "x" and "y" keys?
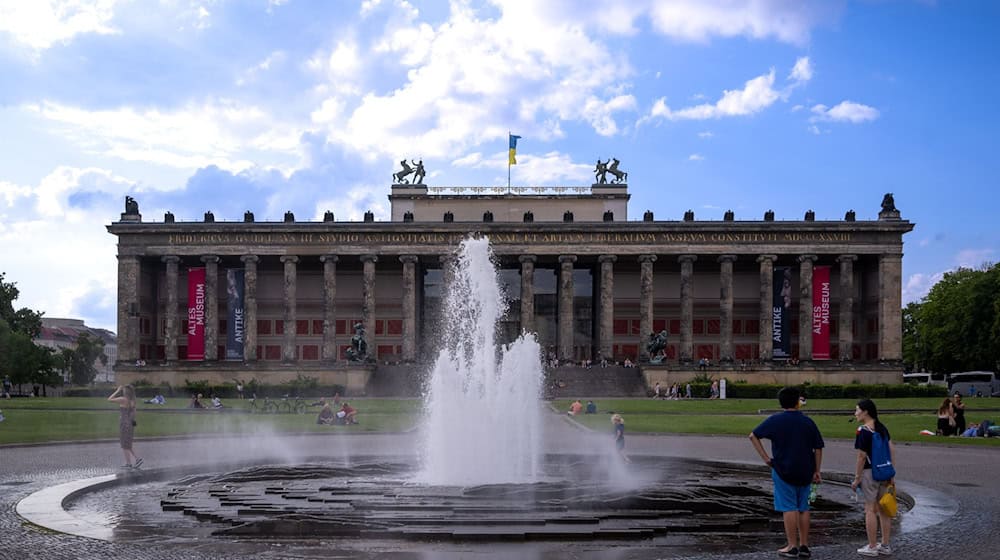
{"x": 956, "y": 327}
{"x": 24, "y": 361}
{"x": 22, "y": 320}
{"x": 81, "y": 360}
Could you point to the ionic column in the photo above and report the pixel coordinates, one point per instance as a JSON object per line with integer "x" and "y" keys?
{"x": 645, "y": 303}
{"x": 565, "y": 342}
{"x": 447, "y": 273}
{"x": 409, "y": 307}
{"x": 250, "y": 307}
{"x": 129, "y": 269}
{"x": 607, "y": 316}
{"x": 211, "y": 307}
{"x": 527, "y": 292}
{"x": 766, "y": 339}
{"x": 368, "y": 301}
{"x": 687, "y": 307}
{"x": 890, "y": 312}
{"x": 845, "y": 335}
{"x": 170, "y": 336}
{"x": 726, "y": 307}
{"x": 806, "y": 306}
{"x": 329, "y": 307}
{"x": 291, "y": 284}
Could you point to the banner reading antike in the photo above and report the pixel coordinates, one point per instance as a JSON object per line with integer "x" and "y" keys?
{"x": 821, "y": 313}
{"x": 781, "y": 311}
{"x": 196, "y": 314}
{"x": 237, "y": 329}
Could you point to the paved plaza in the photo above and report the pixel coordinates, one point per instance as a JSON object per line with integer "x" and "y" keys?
{"x": 958, "y": 478}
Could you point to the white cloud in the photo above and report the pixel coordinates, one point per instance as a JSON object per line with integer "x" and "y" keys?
{"x": 706, "y": 134}
{"x": 918, "y": 285}
{"x": 696, "y": 157}
{"x": 39, "y": 24}
{"x": 56, "y": 219}
{"x": 802, "y": 71}
{"x": 845, "y": 111}
{"x": 973, "y": 258}
{"x": 217, "y": 133}
{"x": 757, "y": 94}
{"x": 471, "y": 160}
{"x": 250, "y": 74}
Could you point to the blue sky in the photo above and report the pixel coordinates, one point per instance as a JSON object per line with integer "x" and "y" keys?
{"x": 308, "y": 106}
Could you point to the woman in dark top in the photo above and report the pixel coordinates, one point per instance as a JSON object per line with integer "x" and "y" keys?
{"x": 867, "y": 415}
{"x": 958, "y": 412}
{"x": 125, "y": 397}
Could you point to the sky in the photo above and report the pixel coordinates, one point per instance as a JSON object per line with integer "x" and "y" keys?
{"x": 308, "y": 106}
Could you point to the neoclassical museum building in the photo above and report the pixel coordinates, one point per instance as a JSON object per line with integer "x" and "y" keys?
{"x": 771, "y": 300}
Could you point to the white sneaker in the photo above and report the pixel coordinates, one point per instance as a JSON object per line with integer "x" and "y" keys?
{"x": 884, "y": 549}
{"x": 868, "y": 550}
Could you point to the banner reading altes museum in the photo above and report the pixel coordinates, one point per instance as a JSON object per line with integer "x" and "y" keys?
{"x": 821, "y": 313}
{"x": 196, "y": 314}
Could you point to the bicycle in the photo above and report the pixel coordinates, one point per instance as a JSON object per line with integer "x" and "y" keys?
{"x": 266, "y": 407}
{"x": 292, "y": 405}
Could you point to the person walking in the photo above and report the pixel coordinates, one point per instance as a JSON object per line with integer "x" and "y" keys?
{"x": 619, "y": 424}
{"x": 125, "y": 397}
{"x": 795, "y": 461}
{"x": 866, "y": 414}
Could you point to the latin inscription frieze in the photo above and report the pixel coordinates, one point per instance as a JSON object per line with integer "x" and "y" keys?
{"x": 501, "y": 238}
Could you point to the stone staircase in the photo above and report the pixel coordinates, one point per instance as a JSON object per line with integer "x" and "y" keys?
{"x": 579, "y": 382}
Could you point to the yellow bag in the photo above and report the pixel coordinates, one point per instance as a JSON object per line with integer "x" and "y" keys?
{"x": 888, "y": 501}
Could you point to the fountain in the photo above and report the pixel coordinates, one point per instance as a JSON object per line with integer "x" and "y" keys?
{"x": 483, "y": 417}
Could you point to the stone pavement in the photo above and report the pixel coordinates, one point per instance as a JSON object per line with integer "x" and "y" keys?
{"x": 965, "y": 474}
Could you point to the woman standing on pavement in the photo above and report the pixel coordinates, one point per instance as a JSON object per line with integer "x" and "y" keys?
{"x": 867, "y": 415}
{"x": 125, "y": 397}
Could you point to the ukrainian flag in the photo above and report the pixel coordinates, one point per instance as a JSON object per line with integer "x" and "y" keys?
{"x": 512, "y": 159}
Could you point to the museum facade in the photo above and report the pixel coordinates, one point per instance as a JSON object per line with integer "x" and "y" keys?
{"x": 221, "y": 300}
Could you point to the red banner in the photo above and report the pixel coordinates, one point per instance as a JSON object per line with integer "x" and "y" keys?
{"x": 196, "y": 314}
{"x": 821, "y": 313}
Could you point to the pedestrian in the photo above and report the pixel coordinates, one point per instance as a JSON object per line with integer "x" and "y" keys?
{"x": 795, "y": 461}
{"x": 687, "y": 390}
{"x": 958, "y": 412}
{"x": 867, "y": 416}
{"x": 239, "y": 388}
{"x": 619, "y": 424}
{"x": 125, "y": 397}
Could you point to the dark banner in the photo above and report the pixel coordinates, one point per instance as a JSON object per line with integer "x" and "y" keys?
{"x": 237, "y": 328}
{"x": 196, "y": 314}
{"x": 821, "y": 313}
{"x": 781, "y": 312}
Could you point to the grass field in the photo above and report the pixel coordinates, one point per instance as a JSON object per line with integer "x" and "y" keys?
{"x": 740, "y": 416}
{"x": 31, "y": 420}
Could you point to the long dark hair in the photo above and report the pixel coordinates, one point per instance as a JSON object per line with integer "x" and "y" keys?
{"x": 868, "y": 406}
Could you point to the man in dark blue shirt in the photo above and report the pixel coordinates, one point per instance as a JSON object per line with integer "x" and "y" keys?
{"x": 797, "y": 450}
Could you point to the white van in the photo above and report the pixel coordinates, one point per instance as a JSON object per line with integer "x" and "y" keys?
{"x": 974, "y": 383}
{"x": 917, "y": 378}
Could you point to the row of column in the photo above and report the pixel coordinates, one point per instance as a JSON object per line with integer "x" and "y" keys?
{"x": 890, "y": 287}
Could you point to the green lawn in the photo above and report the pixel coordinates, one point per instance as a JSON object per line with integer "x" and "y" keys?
{"x": 60, "y": 419}
{"x": 739, "y": 417}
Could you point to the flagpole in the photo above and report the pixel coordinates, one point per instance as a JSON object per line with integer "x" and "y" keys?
{"x": 508, "y": 165}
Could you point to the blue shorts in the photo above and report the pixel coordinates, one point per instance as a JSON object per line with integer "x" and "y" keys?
{"x": 788, "y": 497}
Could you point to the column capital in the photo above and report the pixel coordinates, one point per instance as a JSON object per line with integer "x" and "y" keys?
{"x": 127, "y": 257}
{"x": 647, "y": 258}
{"x": 726, "y": 258}
{"x": 810, "y": 258}
{"x": 527, "y": 258}
{"x": 250, "y": 259}
{"x": 369, "y": 258}
{"x": 170, "y": 259}
{"x": 210, "y": 259}
{"x": 407, "y": 259}
{"x": 288, "y": 259}
{"x": 891, "y": 257}
{"x": 770, "y": 258}
{"x": 607, "y": 259}
{"x": 847, "y": 258}
{"x": 563, "y": 259}
{"x": 328, "y": 258}
{"x": 687, "y": 258}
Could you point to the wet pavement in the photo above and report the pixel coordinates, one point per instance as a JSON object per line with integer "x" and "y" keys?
{"x": 955, "y": 498}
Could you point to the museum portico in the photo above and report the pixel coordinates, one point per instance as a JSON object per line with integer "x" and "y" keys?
{"x": 588, "y": 281}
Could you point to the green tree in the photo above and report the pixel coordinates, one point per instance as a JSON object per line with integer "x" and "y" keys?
{"x": 81, "y": 361}
{"x": 22, "y": 320}
{"x": 956, "y": 327}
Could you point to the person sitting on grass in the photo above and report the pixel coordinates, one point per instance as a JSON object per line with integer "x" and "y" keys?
{"x": 591, "y": 408}
{"x": 216, "y": 402}
{"x": 326, "y": 416}
{"x": 196, "y": 401}
{"x": 158, "y": 399}
{"x": 348, "y": 414}
{"x": 575, "y": 408}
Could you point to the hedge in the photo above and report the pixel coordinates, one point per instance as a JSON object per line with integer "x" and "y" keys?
{"x": 224, "y": 391}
